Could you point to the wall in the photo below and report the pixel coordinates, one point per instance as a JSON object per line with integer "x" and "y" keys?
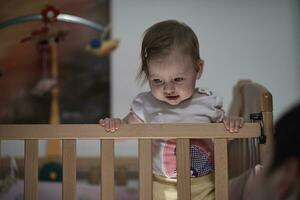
{"x": 239, "y": 39}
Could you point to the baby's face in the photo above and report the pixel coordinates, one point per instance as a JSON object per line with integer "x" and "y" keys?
{"x": 172, "y": 79}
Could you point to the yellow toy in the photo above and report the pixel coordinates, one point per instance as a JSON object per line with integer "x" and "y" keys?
{"x": 102, "y": 46}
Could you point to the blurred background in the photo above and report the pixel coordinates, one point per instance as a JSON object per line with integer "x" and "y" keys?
{"x": 25, "y": 65}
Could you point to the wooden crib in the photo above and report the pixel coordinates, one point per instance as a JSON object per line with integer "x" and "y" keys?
{"x": 253, "y": 98}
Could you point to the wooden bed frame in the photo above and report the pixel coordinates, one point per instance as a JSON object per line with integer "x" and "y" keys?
{"x": 254, "y": 97}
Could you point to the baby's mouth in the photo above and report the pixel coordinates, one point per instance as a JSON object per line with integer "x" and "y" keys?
{"x": 174, "y": 97}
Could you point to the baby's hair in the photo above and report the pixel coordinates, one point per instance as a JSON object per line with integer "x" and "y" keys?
{"x": 163, "y": 37}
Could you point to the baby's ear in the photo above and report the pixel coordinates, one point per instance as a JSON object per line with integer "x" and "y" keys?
{"x": 199, "y": 68}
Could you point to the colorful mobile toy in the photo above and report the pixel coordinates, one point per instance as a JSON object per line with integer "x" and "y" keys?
{"x": 46, "y": 38}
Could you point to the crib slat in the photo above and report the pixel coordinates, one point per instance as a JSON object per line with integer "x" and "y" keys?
{"x": 266, "y": 149}
{"x": 69, "y": 169}
{"x": 107, "y": 170}
{"x": 31, "y": 169}
{"x": 183, "y": 169}
{"x": 221, "y": 169}
{"x": 145, "y": 169}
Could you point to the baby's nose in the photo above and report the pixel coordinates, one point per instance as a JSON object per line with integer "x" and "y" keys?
{"x": 169, "y": 88}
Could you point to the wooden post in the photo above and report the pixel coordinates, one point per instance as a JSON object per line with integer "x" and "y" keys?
{"x": 31, "y": 169}
{"x": 107, "y": 186}
{"x": 183, "y": 169}
{"x": 145, "y": 169}
{"x": 221, "y": 169}
{"x": 69, "y": 169}
{"x": 266, "y": 149}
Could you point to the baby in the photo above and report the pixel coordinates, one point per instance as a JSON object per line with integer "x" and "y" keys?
{"x": 171, "y": 64}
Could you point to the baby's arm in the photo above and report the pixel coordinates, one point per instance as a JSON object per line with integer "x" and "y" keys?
{"x": 113, "y": 124}
{"x": 233, "y": 124}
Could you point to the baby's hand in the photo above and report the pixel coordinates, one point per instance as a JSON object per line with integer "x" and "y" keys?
{"x": 110, "y": 124}
{"x": 233, "y": 124}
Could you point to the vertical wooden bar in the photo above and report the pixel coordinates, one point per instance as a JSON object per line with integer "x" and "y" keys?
{"x": 69, "y": 169}
{"x": 266, "y": 149}
{"x": 145, "y": 169}
{"x": 107, "y": 170}
{"x": 221, "y": 169}
{"x": 183, "y": 169}
{"x": 31, "y": 169}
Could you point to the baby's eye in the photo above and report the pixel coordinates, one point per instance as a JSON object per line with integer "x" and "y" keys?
{"x": 178, "y": 79}
{"x": 157, "y": 81}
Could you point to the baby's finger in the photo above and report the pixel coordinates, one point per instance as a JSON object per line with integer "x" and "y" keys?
{"x": 117, "y": 124}
{"x": 226, "y": 123}
{"x": 232, "y": 125}
{"x": 237, "y": 124}
{"x": 111, "y": 125}
{"x": 101, "y": 122}
{"x": 107, "y": 124}
{"x": 114, "y": 124}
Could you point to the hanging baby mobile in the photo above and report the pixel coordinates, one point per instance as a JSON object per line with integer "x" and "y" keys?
{"x": 46, "y": 38}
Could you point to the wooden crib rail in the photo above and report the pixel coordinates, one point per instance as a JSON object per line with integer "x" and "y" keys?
{"x": 144, "y": 133}
{"x": 132, "y": 131}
